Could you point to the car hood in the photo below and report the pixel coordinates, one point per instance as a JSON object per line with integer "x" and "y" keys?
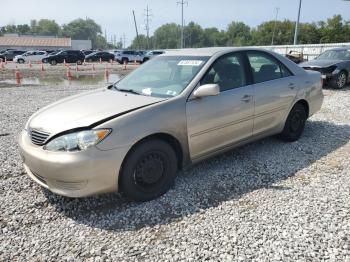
{"x": 320, "y": 63}
{"x": 86, "y": 109}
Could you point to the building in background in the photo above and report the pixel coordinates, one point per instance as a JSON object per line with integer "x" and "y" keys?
{"x": 26, "y": 42}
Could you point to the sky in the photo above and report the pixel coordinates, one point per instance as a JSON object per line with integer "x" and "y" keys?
{"x": 115, "y": 16}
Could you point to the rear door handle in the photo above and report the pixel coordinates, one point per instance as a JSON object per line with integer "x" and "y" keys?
{"x": 246, "y": 98}
{"x": 291, "y": 85}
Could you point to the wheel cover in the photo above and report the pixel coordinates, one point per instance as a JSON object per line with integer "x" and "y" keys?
{"x": 341, "y": 81}
{"x": 150, "y": 170}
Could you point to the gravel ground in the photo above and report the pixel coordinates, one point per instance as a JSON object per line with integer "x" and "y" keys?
{"x": 267, "y": 201}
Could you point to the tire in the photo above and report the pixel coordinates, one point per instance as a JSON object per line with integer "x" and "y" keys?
{"x": 53, "y": 62}
{"x": 125, "y": 60}
{"x": 20, "y": 61}
{"x": 145, "y": 60}
{"x": 79, "y": 62}
{"x": 295, "y": 123}
{"x": 148, "y": 171}
{"x": 340, "y": 80}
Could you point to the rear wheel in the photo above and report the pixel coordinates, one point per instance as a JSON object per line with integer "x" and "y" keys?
{"x": 53, "y": 62}
{"x": 20, "y": 61}
{"x": 295, "y": 123}
{"x": 340, "y": 80}
{"x": 79, "y": 62}
{"x": 149, "y": 170}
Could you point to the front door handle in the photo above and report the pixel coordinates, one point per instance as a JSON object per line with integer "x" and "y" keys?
{"x": 246, "y": 98}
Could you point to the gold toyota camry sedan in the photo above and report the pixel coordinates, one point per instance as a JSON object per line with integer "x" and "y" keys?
{"x": 175, "y": 110}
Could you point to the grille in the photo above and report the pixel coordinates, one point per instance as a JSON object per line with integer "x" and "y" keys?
{"x": 38, "y": 137}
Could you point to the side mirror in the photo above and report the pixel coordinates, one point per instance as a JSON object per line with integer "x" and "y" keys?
{"x": 207, "y": 90}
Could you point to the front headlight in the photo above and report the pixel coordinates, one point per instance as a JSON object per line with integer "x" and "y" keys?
{"x": 77, "y": 141}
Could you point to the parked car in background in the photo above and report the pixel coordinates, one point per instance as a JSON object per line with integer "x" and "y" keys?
{"x": 127, "y": 56}
{"x": 175, "y": 110}
{"x": 88, "y": 52}
{"x": 151, "y": 54}
{"x": 100, "y": 55}
{"x": 296, "y": 56}
{"x": 32, "y": 56}
{"x": 10, "y": 54}
{"x": 70, "y": 56}
{"x": 334, "y": 65}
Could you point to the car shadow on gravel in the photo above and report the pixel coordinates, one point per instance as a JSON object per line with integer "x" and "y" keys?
{"x": 210, "y": 183}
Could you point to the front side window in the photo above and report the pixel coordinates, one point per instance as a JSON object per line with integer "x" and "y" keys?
{"x": 227, "y": 72}
{"x": 266, "y": 68}
{"x": 165, "y": 76}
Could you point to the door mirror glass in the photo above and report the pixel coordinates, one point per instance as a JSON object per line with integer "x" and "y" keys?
{"x": 207, "y": 90}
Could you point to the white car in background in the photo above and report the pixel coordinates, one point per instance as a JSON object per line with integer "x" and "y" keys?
{"x": 32, "y": 56}
{"x": 151, "y": 54}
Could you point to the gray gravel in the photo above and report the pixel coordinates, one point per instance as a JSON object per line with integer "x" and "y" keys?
{"x": 267, "y": 201}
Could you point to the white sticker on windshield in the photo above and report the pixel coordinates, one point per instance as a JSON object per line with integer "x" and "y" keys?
{"x": 147, "y": 91}
{"x": 190, "y": 63}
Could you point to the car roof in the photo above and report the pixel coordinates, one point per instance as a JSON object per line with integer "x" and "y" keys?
{"x": 207, "y": 51}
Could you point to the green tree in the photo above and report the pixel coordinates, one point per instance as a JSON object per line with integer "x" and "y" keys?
{"x": 167, "y": 36}
{"x": 47, "y": 27}
{"x": 334, "y": 30}
{"x": 193, "y": 35}
{"x": 85, "y": 29}
{"x": 140, "y": 42}
{"x": 238, "y": 34}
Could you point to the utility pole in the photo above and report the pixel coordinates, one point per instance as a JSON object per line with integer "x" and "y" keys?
{"x": 106, "y": 35}
{"x": 147, "y": 21}
{"x": 137, "y": 32}
{"x": 182, "y": 3}
{"x": 274, "y": 27}
{"x": 297, "y": 25}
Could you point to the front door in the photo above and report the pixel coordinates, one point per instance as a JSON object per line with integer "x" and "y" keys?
{"x": 215, "y": 122}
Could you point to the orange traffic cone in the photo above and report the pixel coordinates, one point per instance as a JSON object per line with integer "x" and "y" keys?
{"x": 30, "y": 64}
{"x": 100, "y": 60}
{"x": 18, "y": 77}
{"x": 106, "y": 73}
{"x": 42, "y": 67}
{"x": 69, "y": 74}
{"x": 64, "y": 63}
{"x": 2, "y": 66}
{"x": 125, "y": 65}
{"x": 84, "y": 63}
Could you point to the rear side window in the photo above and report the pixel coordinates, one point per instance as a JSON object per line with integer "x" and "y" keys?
{"x": 266, "y": 68}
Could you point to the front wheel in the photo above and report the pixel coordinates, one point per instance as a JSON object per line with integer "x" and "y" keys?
{"x": 79, "y": 62}
{"x": 339, "y": 81}
{"x": 295, "y": 124}
{"x": 20, "y": 61}
{"x": 149, "y": 170}
{"x": 53, "y": 62}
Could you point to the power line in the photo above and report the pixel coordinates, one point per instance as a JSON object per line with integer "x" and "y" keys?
{"x": 274, "y": 27}
{"x": 182, "y": 3}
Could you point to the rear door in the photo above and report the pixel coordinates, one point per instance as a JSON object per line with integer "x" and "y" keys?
{"x": 215, "y": 122}
{"x": 275, "y": 89}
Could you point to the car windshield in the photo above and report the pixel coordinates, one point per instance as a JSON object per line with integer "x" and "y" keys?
{"x": 163, "y": 76}
{"x": 335, "y": 55}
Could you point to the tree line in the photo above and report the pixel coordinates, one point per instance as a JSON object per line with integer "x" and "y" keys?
{"x": 86, "y": 29}
{"x": 333, "y": 30}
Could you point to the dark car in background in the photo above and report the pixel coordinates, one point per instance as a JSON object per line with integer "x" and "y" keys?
{"x": 10, "y": 54}
{"x": 100, "y": 55}
{"x": 334, "y": 65}
{"x": 70, "y": 56}
{"x": 88, "y": 52}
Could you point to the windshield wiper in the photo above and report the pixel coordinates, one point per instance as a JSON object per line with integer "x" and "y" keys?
{"x": 132, "y": 91}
